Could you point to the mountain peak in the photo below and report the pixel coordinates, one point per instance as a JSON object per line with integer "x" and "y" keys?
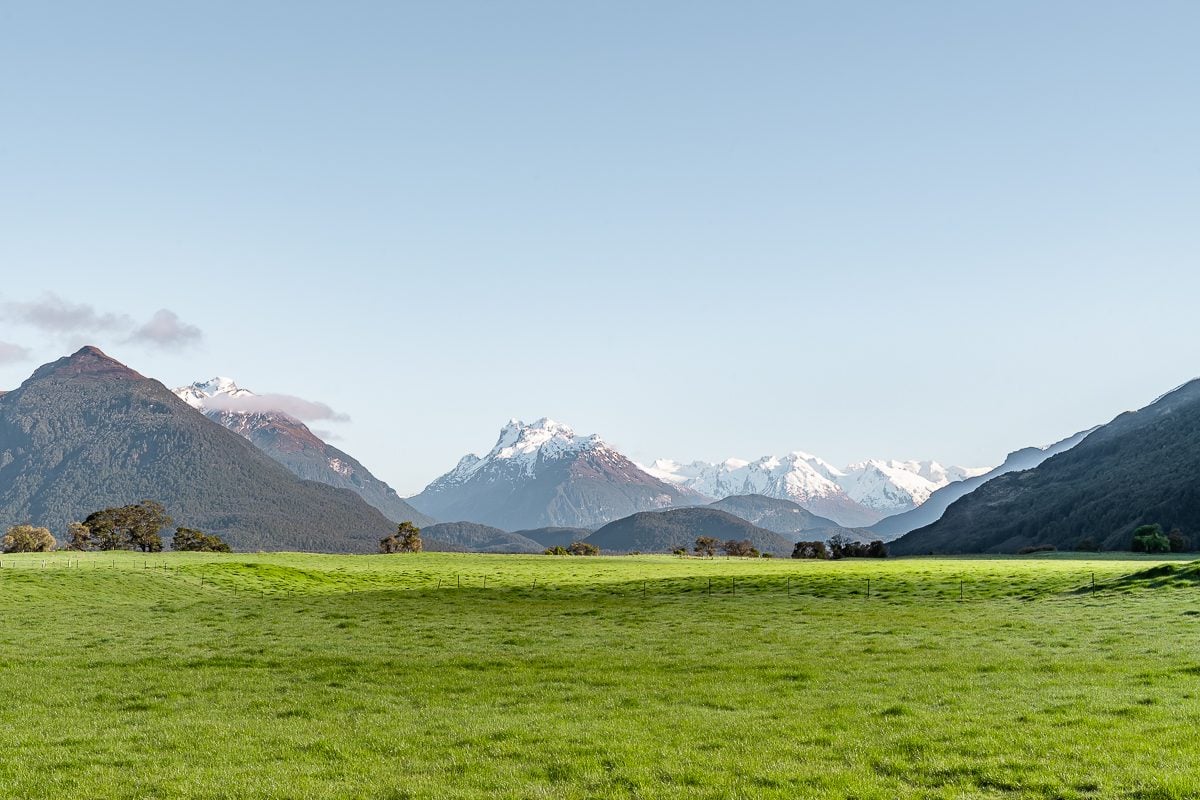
{"x": 199, "y": 394}
{"x": 525, "y": 441}
{"x": 89, "y": 361}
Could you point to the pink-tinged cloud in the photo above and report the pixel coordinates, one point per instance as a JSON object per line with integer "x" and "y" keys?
{"x": 298, "y": 407}
{"x": 165, "y": 329}
{"x": 12, "y": 353}
{"x": 54, "y": 314}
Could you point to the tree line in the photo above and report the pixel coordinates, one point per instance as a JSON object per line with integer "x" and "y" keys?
{"x": 136, "y": 526}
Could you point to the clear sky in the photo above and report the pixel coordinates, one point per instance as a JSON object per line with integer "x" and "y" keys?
{"x": 875, "y": 229}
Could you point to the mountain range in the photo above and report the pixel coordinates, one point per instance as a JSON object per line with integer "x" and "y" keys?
{"x": 544, "y": 474}
{"x": 290, "y": 442}
{"x": 86, "y": 432}
{"x": 860, "y": 494}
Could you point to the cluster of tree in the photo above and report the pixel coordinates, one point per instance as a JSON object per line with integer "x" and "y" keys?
{"x": 574, "y": 549}
{"x": 132, "y": 527}
{"x": 840, "y": 546}
{"x": 137, "y": 527}
{"x": 810, "y": 550}
{"x": 708, "y": 546}
{"x": 190, "y": 539}
{"x": 406, "y": 539}
{"x": 28, "y": 539}
{"x": 1151, "y": 539}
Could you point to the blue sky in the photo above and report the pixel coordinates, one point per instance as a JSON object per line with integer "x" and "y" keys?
{"x": 919, "y": 230}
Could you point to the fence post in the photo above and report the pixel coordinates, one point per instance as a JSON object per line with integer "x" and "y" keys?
{"x": 960, "y": 590}
{"x": 1093, "y": 583}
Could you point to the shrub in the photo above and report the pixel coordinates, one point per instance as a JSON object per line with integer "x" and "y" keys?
{"x": 1086, "y": 545}
{"x": 557, "y": 550}
{"x": 28, "y": 539}
{"x": 1036, "y": 548}
{"x": 582, "y": 549}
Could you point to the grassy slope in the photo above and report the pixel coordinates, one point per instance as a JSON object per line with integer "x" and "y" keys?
{"x": 327, "y": 676}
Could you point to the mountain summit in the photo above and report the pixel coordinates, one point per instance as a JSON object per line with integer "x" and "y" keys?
{"x": 290, "y": 442}
{"x": 544, "y": 474}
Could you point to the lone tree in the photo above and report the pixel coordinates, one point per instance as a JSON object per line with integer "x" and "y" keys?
{"x": 582, "y": 549}
{"x": 132, "y": 527}
{"x": 1150, "y": 539}
{"x": 706, "y": 546}
{"x": 28, "y": 539}
{"x": 191, "y": 540}
{"x": 406, "y": 539}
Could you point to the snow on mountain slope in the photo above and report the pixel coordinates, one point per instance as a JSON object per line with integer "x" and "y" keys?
{"x": 290, "y": 442}
{"x": 543, "y": 473}
{"x": 860, "y": 494}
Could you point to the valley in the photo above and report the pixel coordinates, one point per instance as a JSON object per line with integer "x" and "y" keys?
{"x": 445, "y": 675}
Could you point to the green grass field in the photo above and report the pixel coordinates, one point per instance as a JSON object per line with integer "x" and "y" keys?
{"x": 448, "y": 675}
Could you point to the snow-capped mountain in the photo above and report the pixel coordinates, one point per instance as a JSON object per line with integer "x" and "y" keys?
{"x": 544, "y": 474}
{"x": 857, "y": 495}
{"x": 290, "y": 442}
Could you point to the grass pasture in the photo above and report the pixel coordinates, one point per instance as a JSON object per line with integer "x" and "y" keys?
{"x": 453, "y": 675}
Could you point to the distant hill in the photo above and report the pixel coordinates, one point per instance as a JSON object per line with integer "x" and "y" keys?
{"x": 773, "y": 513}
{"x": 87, "y": 432}
{"x": 480, "y": 538}
{"x": 933, "y": 508}
{"x": 290, "y": 442}
{"x": 544, "y": 474}
{"x": 664, "y": 531}
{"x": 1140, "y": 468}
{"x": 552, "y": 536}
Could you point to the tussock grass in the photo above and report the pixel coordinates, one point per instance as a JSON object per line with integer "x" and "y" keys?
{"x": 290, "y": 675}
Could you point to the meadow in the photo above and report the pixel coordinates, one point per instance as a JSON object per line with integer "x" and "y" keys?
{"x": 452, "y": 675}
